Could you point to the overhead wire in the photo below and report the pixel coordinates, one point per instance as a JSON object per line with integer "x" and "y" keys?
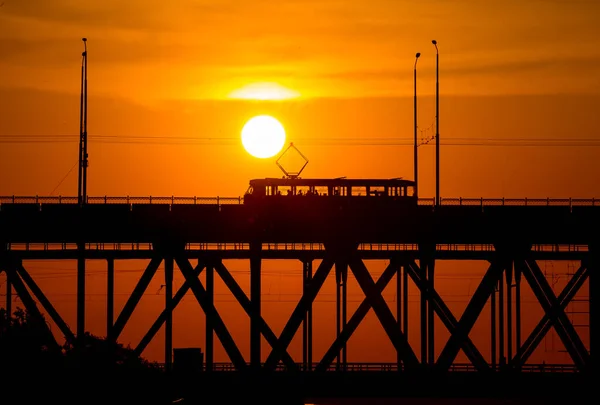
{"x": 321, "y": 141}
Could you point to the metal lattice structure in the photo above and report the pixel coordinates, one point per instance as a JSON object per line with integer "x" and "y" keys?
{"x": 197, "y": 238}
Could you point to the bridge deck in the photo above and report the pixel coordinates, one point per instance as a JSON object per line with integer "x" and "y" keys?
{"x": 136, "y": 220}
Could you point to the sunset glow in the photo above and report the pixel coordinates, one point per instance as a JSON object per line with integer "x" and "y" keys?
{"x": 264, "y": 91}
{"x": 193, "y": 99}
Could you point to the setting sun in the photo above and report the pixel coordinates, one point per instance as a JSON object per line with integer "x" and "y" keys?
{"x": 263, "y": 136}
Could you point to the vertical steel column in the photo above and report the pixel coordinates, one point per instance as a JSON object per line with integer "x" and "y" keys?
{"x": 431, "y": 314}
{"x": 423, "y": 262}
{"x": 501, "y": 355}
{"x": 338, "y": 314}
{"x": 169, "y": 319}
{"x": 493, "y": 343}
{"x": 307, "y": 321}
{"x": 594, "y": 312}
{"x": 509, "y": 335}
{"x": 399, "y": 310}
{"x": 255, "y": 298}
{"x": 110, "y": 295}
{"x": 345, "y": 312}
{"x": 210, "y": 333}
{"x": 80, "y": 291}
{"x": 310, "y": 318}
{"x": 405, "y": 299}
{"x": 304, "y": 321}
{"x": 8, "y": 296}
{"x": 517, "y": 270}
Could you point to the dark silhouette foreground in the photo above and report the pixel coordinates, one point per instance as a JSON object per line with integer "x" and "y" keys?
{"x": 36, "y": 368}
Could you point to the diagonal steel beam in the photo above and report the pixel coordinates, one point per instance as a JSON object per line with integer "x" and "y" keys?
{"x": 211, "y": 313}
{"x": 29, "y": 303}
{"x": 563, "y": 326}
{"x": 185, "y": 287}
{"x": 244, "y": 301}
{"x": 470, "y": 315}
{"x": 544, "y": 325}
{"x": 356, "y": 319}
{"x": 447, "y": 317}
{"x": 46, "y": 304}
{"x": 383, "y": 312}
{"x": 295, "y": 320}
{"x": 134, "y": 299}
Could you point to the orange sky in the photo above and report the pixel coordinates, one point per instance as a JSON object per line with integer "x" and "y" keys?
{"x": 525, "y": 70}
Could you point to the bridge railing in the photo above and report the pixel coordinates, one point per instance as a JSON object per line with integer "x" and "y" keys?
{"x": 569, "y": 202}
{"x": 283, "y": 247}
{"x": 485, "y": 202}
{"x": 122, "y": 200}
{"x": 390, "y": 367}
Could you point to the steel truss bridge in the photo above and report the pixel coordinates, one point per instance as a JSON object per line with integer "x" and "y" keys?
{"x": 196, "y": 235}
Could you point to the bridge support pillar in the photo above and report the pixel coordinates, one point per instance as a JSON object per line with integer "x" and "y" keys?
{"x": 594, "y": 310}
{"x": 509, "y": 323}
{"x": 427, "y": 267}
{"x": 80, "y": 292}
{"x": 493, "y": 332}
{"x": 341, "y": 277}
{"x": 399, "y": 314}
{"x": 517, "y": 270}
{"x": 307, "y": 322}
{"x": 255, "y": 293}
{"x": 110, "y": 294}
{"x": 431, "y": 314}
{"x": 209, "y": 349}
{"x": 169, "y": 309}
{"x": 501, "y": 333}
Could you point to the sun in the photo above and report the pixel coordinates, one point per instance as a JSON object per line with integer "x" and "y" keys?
{"x": 263, "y": 136}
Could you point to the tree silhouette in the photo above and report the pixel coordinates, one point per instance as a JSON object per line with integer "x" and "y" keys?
{"x": 99, "y": 371}
{"x": 25, "y": 343}
{"x": 101, "y": 353}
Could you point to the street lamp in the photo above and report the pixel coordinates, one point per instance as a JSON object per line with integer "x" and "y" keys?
{"x": 415, "y": 127}
{"x": 437, "y": 123}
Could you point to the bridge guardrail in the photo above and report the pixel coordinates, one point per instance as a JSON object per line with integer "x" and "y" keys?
{"x": 570, "y": 202}
{"x": 392, "y": 367}
{"x": 282, "y": 247}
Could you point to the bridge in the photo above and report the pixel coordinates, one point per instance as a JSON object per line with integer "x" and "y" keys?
{"x": 195, "y": 235}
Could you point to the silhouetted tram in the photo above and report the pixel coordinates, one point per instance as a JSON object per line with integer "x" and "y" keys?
{"x": 357, "y": 195}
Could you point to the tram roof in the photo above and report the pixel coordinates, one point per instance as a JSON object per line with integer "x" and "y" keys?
{"x": 341, "y": 181}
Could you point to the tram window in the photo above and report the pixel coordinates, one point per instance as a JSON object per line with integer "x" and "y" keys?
{"x": 377, "y": 191}
{"x": 303, "y": 190}
{"x": 339, "y": 191}
{"x": 284, "y": 190}
{"x": 320, "y": 190}
{"x": 359, "y": 191}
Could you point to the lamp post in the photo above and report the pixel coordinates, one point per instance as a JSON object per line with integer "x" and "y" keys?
{"x": 437, "y": 123}
{"x": 416, "y": 155}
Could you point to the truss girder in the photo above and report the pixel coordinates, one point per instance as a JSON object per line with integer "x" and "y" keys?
{"x": 246, "y": 304}
{"x": 160, "y": 320}
{"x": 46, "y": 304}
{"x": 299, "y": 313}
{"x": 383, "y": 312}
{"x": 543, "y": 327}
{"x": 446, "y": 316}
{"x": 134, "y": 298}
{"x": 551, "y": 305}
{"x": 470, "y": 315}
{"x": 356, "y": 318}
{"x": 211, "y": 313}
